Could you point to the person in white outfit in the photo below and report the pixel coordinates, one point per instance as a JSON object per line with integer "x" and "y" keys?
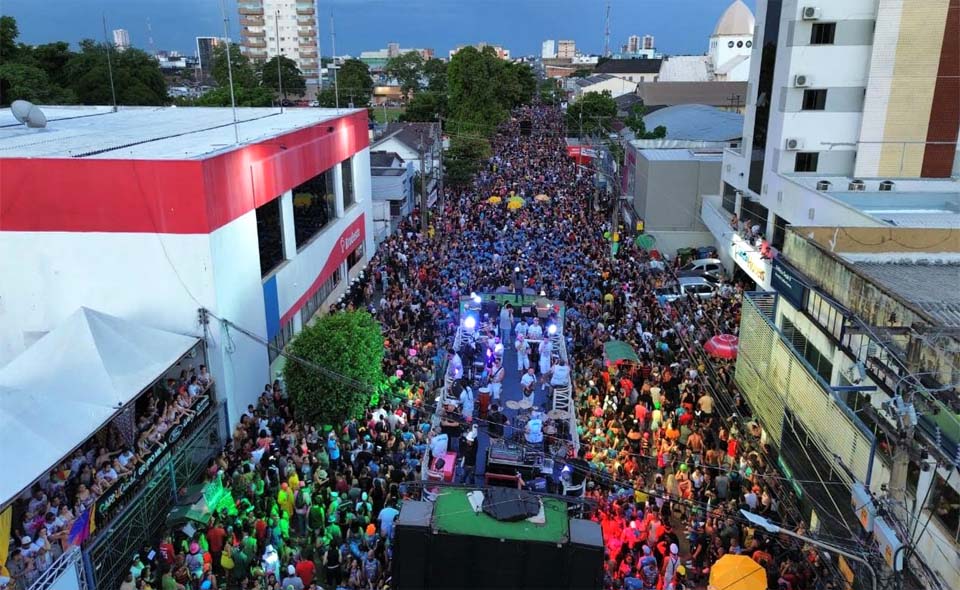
{"x": 497, "y": 374}
{"x": 506, "y": 322}
{"x": 523, "y": 353}
{"x": 546, "y": 350}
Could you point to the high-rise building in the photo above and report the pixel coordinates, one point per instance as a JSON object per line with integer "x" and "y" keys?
{"x": 648, "y": 42}
{"x": 633, "y": 43}
{"x": 549, "y": 49}
{"x": 566, "y": 49}
{"x": 393, "y": 49}
{"x": 205, "y": 48}
{"x": 284, "y": 27}
{"x": 121, "y": 39}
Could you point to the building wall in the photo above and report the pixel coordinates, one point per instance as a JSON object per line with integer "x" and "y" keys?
{"x": 289, "y": 24}
{"x": 721, "y": 52}
{"x": 617, "y": 87}
{"x": 566, "y": 49}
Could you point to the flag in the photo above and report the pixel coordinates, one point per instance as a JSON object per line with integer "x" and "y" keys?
{"x": 83, "y": 527}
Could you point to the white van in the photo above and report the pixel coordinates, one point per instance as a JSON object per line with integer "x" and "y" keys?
{"x": 711, "y": 266}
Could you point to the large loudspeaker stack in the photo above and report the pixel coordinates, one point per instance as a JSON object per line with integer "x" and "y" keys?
{"x": 428, "y": 561}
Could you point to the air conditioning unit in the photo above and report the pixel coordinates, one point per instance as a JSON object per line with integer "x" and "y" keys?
{"x": 801, "y": 80}
{"x": 823, "y": 185}
{"x": 793, "y": 143}
{"x": 810, "y": 13}
{"x": 857, "y": 185}
{"x": 886, "y": 185}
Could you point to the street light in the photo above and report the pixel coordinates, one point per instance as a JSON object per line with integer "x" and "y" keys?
{"x": 774, "y": 529}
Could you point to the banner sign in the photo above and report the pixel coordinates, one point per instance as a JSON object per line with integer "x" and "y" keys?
{"x": 788, "y": 283}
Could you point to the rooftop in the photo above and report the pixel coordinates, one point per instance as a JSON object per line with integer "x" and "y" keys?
{"x": 685, "y": 68}
{"x": 149, "y": 133}
{"x": 409, "y": 134}
{"x": 928, "y": 202}
{"x": 630, "y": 66}
{"x": 594, "y": 79}
{"x": 697, "y": 122}
{"x": 383, "y": 158}
{"x": 736, "y": 20}
{"x": 930, "y": 286}
{"x": 687, "y": 155}
{"x": 717, "y": 94}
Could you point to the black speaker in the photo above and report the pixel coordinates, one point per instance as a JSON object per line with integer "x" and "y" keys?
{"x": 584, "y": 556}
{"x": 412, "y": 537}
{"x": 491, "y": 309}
{"x": 544, "y": 566}
{"x": 446, "y": 569}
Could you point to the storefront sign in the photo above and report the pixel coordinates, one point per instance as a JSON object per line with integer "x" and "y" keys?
{"x": 749, "y": 259}
{"x": 788, "y": 283}
{"x": 132, "y": 482}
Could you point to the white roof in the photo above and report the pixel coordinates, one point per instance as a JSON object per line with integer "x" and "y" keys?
{"x": 685, "y": 68}
{"x": 736, "y": 20}
{"x": 70, "y": 383}
{"x": 149, "y": 133}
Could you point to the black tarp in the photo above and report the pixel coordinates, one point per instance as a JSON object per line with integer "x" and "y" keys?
{"x": 510, "y": 505}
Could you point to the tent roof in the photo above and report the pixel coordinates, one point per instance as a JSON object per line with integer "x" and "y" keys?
{"x": 71, "y": 382}
{"x": 618, "y": 350}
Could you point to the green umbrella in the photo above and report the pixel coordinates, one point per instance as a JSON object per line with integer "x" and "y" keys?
{"x": 646, "y": 241}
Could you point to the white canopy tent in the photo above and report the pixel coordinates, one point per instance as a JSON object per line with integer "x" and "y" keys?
{"x": 70, "y": 383}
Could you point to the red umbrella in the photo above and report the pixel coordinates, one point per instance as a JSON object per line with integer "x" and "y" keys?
{"x": 723, "y": 346}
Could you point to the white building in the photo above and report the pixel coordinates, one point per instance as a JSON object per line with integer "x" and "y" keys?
{"x": 284, "y": 27}
{"x": 566, "y": 49}
{"x": 648, "y": 42}
{"x": 549, "y": 49}
{"x": 121, "y": 39}
{"x": 615, "y": 85}
{"x": 633, "y": 43}
{"x": 167, "y": 214}
{"x": 732, "y": 43}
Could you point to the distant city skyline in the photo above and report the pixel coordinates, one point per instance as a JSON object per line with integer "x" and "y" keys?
{"x": 680, "y": 26}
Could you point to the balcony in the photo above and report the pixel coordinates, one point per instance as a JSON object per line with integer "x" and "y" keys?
{"x": 305, "y": 21}
{"x": 309, "y": 53}
{"x": 252, "y": 34}
{"x": 307, "y": 32}
{"x": 306, "y": 12}
{"x": 252, "y": 22}
{"x": 251, "y": 12}
{"x": 254, "y": 43}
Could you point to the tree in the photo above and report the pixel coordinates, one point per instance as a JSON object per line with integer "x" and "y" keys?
{"x": 8, "y": 38}
{"x": 259, "y": 96}
{"x": 136, "y": 75}
{"x": 20, "y": 81}
{"x": 346, "y": 343}
{"x": 435, "y": 72}
{"x": 635, "y": 122}
{"x": 464, "y": 158}
{"x": 425, "y": 106}
{"x": 473, "y": 91}
{"x": 293, "y": 80}
{"x": 406, "y": 69}
{"x": 592, "y": 113}
{"x": 354, "y": 83}
{"x": 581, "y": 73}
{"x": 516, "y": 84}
{"x": 244, "y": 74}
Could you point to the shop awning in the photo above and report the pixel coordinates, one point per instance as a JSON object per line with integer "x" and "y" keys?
{"x": 618, "y": 350}
{"x": 70, "y": 383}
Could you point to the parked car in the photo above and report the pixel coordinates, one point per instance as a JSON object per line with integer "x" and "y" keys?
{"x": 711, "y": 266}
{"x": 698, "y": 286}
{"x": 713, "y": 278}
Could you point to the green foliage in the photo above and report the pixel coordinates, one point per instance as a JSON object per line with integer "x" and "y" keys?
{"x": 550, "y": 92}
{"x": 593, "y": 112}
{"x": 473, "y": 90}
{"x": 245, "y": 75}
{"x": 354, "y": 83}
{"x": 348, "y": 343}
{"x": 52, "y": 73}
{"x": 635, "y": 122}
{"x": 517, "y": 84}
{"x": 293, "y": 81}
{"x": 581, "y": 73}
{"x": 406, "y": 68}
{"x": 464, "y": 159}
{"x": 435, "y": 72}
{"x": 260, "y": 96}
{"x": 425, "y": 106}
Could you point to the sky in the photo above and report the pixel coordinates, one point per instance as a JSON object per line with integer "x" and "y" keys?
{"x": 680, "y": 26}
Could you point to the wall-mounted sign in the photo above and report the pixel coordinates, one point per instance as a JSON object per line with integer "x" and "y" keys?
{"x": 750, "y": 260}
{"x": 788, "y": 283}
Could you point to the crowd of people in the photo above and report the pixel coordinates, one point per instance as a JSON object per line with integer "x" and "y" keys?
{"x": 661, "y": 463}
{"x": 46, "y": 517}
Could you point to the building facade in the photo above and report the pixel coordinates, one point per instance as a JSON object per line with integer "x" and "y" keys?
{"x": 281, "y": 27}
{"x": 566, "y": 49}
{"x": 121, "y": 39}
{"x": 549, "y": 49}
{"x": 731, "y": 44}
{"x": 500, "y": 51}
{"x": 205, "y": 52}
{"x": 262, "y": 233}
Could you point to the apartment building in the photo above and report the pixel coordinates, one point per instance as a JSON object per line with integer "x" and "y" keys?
{"x": 284, "y": 27}
{"x": 566, "y": 49}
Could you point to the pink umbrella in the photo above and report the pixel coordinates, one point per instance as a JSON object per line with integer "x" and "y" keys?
{"x": 722, "y": 346}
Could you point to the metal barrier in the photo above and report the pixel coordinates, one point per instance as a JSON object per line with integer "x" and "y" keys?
{"x": 71, "y": 560}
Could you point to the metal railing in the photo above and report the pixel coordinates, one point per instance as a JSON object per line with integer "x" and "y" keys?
{"x": 72, "y": 559}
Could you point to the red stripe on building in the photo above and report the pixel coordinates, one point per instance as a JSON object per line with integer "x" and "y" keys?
{"x": 348, "y": 241}
{"x": 939, "y": 153}
{"x": 169, "y": 196}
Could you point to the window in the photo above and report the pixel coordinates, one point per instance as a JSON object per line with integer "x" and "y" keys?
{"x": 819, "y": 362}
{"x": 729, "y": 198}
{"x": 730, "y": 44}
{"x": 945, "y": 504}
{"x": 346, "y": 174}
{"x": 396, "y": 208}
{"x": 313, "y": 207}
{"x": 749, "y": 43}
{"x": 280, "y": 340}
{"x": 739, "y": 43}
{"x": 806, "y": 162}
{"x": 779, "y": 232}
{"x": 354, "y": 257}
{"x": 269, "y": 236}
{"x": 313, "y": 304}
{"x": 814, "y": 100}
{"x": 823, "y": 33}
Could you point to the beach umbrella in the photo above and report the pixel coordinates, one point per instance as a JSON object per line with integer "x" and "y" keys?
{"x": 722, "y": 346}
{"x": 494, "y": 200}
{"x": 514, "y": 203}
{"x": 737, "y": 572}
{"x": 646, "y": 241}
{"x": 542, "y": 198}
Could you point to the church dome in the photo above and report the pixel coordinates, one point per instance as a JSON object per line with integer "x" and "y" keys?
{"x": 736, "y": 20}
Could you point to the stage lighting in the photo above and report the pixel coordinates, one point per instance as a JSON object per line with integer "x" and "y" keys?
{"x": 498, "y": 349}
{"x": 552, "y": 329}
{"x": 516, "y": 269}
{"x": 476, "y": 298}
{"x": 470, "y": 322}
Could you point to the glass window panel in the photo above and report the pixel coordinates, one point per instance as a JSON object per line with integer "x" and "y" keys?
{"x": 269, "y": 236}
{"x": 346, "y": 172}
{"x": 314, "y": 207}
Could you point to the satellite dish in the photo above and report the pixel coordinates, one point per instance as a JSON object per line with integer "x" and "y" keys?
{"x": 20, "y": 109}
{"x": 35, "y": 118}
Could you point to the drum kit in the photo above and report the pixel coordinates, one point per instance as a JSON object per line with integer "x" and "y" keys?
{"x": 556, "y": 423}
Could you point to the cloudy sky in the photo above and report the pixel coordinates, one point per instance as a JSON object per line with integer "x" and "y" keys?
{"x": 680, "y": 26}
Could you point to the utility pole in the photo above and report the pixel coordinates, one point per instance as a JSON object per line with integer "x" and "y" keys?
{"x": 423, "y": 187}
{"x": 440, "y": 195}
{"x": 276, "y": 25}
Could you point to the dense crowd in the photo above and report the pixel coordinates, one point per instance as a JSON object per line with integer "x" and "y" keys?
{"x": 661, "y": 463}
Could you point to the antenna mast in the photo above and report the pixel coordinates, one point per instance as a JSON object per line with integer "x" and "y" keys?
{"x": 233, "y": 98}
{"x": 276, "y": 22}
{"x": 333, "y": 63}
{"x": 606, "y": 33}
{"x": 109, "y": 47}
{"x": 153, "y": 50}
